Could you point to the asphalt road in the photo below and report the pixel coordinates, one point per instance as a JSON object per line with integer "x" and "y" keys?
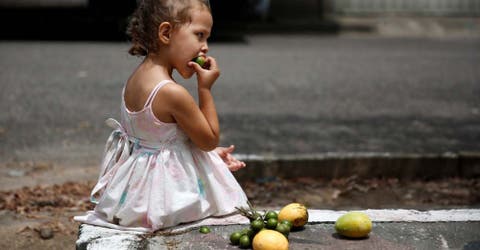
{"x": 278, "y": 94}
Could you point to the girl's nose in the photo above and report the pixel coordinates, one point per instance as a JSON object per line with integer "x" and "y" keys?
{"x": 205, "y": 48}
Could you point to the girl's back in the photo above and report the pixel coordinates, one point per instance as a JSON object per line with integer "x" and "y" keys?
{"x": 153, "y": 177}
{"x": 140, "y": 86}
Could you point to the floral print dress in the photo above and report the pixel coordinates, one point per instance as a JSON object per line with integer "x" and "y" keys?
{"x": 153, "y": 177}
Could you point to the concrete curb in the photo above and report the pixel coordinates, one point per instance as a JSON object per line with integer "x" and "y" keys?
{"x": 320, "y": 222}
{"x": 363, "y": 165}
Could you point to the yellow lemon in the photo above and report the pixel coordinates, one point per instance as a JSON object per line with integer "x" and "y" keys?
{"x": 354, "y": 225}
{"x": 296, "y": 213}
{"x": 270, "y": 240}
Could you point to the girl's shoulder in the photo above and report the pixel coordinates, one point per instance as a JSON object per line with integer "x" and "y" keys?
{"x": 174, "y": 93}
{"x": 170, "y": 99}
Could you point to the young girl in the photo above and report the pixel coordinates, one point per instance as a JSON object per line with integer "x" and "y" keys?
{"x": 162, "y": 166}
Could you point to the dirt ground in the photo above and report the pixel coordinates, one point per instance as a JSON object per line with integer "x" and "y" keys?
{"x": 39, "y": 216}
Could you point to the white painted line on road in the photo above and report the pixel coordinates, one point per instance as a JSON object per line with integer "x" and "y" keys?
{"x": 400, "y": 215}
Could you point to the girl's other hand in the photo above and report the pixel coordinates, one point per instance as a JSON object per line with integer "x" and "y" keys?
{"x": 232, "y": 163}
{"x": 206, "y": 76}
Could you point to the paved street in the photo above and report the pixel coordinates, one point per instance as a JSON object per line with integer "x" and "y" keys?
{"x": 278, "y": 94}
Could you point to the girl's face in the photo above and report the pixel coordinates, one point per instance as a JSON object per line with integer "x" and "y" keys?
{"x": 190, "y": 40}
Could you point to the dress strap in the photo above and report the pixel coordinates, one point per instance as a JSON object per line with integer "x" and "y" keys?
{"x": 154, "y": 92}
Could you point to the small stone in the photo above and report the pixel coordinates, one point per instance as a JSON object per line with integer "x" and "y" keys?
{"x": 46, "y": 233}
{"x": 16, "y": 173}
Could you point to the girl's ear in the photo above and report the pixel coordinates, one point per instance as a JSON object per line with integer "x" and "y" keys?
{"x": 164, "y": 31}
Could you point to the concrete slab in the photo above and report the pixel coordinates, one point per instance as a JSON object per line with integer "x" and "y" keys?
{"x": 363, "y": 165}
{"x": 392, "y": 229}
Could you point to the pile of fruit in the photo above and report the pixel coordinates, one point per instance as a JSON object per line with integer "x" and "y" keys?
{"x": 269, "y": 230}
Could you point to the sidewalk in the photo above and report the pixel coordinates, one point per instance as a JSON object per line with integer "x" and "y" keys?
{"x": 392, "y": 229}
{"x": 363, "y": 165}
{"x": 383, "y": 26}
{"x": 414, "y": 26}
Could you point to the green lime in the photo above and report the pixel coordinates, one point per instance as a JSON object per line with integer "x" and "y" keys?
{"x": 271, "y": 214}
{"x": 283, "y": 228}
{"x": 272, "y": 223}
{"x": 251, "y": 233}
{"x": 245, "y": 241}
{"x": 204, "y": 230}
{"x": 235, "y": 238}
{"x": 257, "y": 225}
{"x": 288, "y": 223}
{"x": 244, "y": 231}
{"x": 200, "y": 60}
{"x": 248, "y": 231}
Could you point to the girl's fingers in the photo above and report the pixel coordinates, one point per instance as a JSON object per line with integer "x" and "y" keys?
{"x": 211, "y": 62}
{"x": 231, "y": 148}
{"x": 195, "y": 66}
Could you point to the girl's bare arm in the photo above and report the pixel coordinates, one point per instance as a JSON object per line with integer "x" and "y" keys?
{"x": 200, "y": 122}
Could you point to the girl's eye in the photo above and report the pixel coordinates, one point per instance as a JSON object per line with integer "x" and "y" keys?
{"x": 200, "y": 35}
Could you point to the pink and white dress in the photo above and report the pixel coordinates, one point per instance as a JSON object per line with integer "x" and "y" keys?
{"x": 153, "y": 177}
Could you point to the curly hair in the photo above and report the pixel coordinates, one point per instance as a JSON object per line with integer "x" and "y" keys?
{"x": 143, "y": 24}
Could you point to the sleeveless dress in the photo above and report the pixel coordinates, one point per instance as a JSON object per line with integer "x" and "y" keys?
{"x": 153, "y": 177}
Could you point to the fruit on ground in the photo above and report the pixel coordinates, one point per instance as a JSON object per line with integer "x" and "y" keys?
{"x": 354, "y": 225}
{"x": 204, "y": 230}
{"x": 271, "y": 223}
{"x": 271, "y": 214}
{"x": 283, "y": 228}
{"x": 257, "y": 225}
{"x": 287, "y": 223}
{"x": 245, "y": 241}
{"x": 294, "y": 212}
{"x": 249, "y": 232}
{"x": 235, "y": 238}
{"x": 270, "y": 240}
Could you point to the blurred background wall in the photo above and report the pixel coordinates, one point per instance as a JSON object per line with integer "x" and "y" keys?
{"x": 107, "y": 19}
{"x": 415, "y": 7}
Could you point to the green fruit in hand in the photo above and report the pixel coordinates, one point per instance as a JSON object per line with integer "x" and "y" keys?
{"x": 200, "y": 60}
{"x": 271, "y": 214}
{"x": 257, "y": 225}
{"x": 245, "y": 241}
{"x": 204, "y": 230}
{"x": 235, "y": 238}
{"x": 272, "y": 223}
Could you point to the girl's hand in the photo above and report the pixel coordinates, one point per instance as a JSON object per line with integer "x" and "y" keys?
{"x": 232, "y": 163}
{"x": 206, "y": 76}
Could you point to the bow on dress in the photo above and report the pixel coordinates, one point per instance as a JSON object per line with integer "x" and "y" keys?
{"x": 117, "y": 150}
